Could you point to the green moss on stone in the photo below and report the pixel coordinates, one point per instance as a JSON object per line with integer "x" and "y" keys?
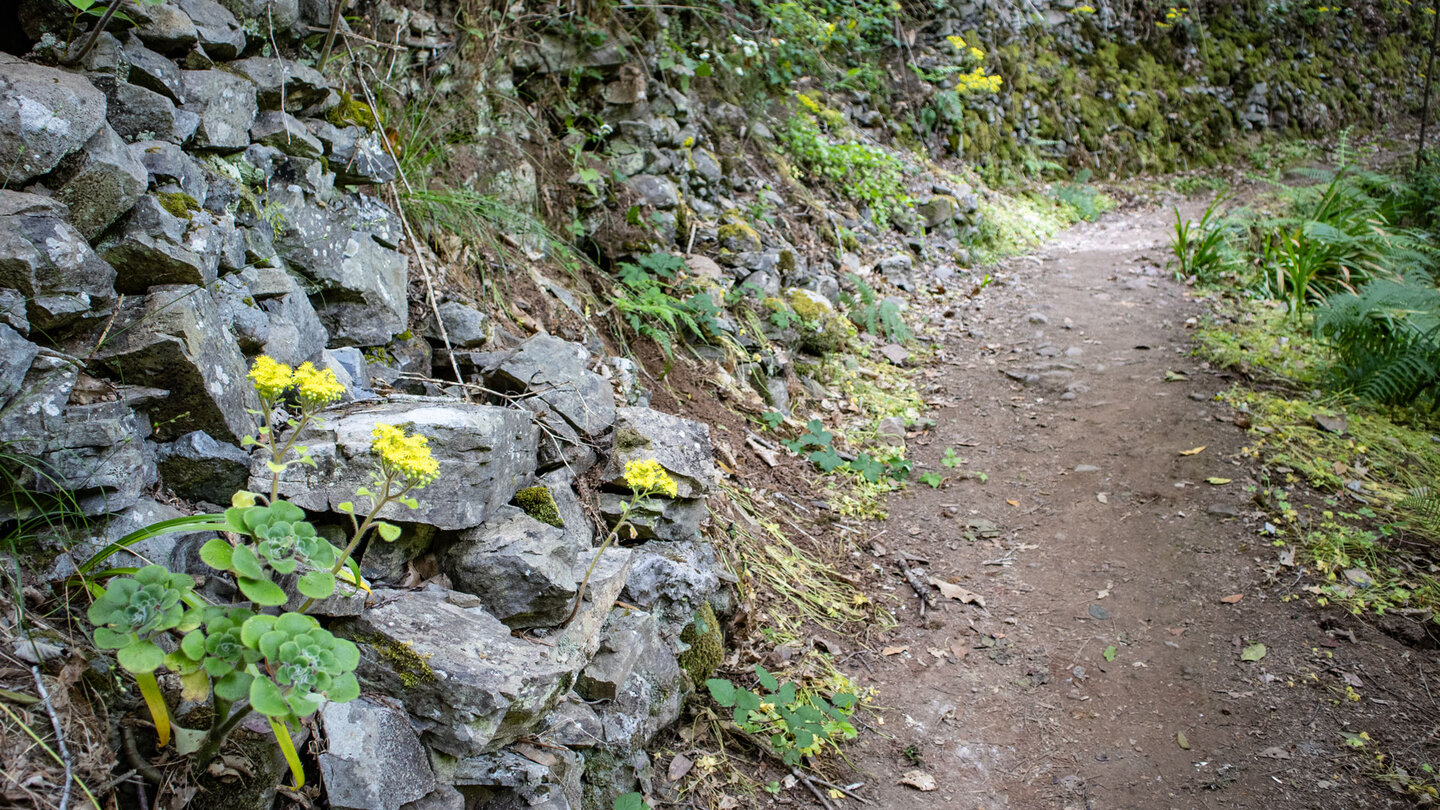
{"x": 707, "y": 645}
{"x": 412, "y": 668}
{"x": 179, "y": 204}
{"x": 352, "y": 112}
{"x": 539, "y": 503}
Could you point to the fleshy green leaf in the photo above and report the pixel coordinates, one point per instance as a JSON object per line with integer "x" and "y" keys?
{"x": 316, "y": 584}
{"x": 142, "y": 656}
{"x": 245, "y": 564}
{"x": 262, "y": 591}
{"x": 234, "y": 686}
{"x": 216, "y": 554}
{"x": 389, "y": 532}
{"x": 193, "y": 645}
{"x": 345, "y": 688}
{"x": 266, "y": 698}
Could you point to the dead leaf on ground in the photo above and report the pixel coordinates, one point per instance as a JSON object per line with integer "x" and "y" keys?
{"x": 952, "y": 591}
{"x": 1275, "y": 752}
{"x": 1232, "y": 598}
{"x": 1194, "y": 451}
{"x": 1182, "y": 741}
{"x": 1102, "y": 497}
{"x": 1254, "y": 652}
{"x": 679, "y": 766}
{"x": 894, "y": 650}
{"x": 1012, "y": 502}
{"x": 919, "y": 780}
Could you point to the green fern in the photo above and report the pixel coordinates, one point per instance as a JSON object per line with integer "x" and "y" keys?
{"x": 1386, "y": 340}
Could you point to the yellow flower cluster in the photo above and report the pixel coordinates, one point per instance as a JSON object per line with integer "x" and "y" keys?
{"x": 958, "y": 43}
{"x": 270, "y": 377}
{"x": 649, "y": 476}
{"x": 1082, "y": 10}
{"x": 978, "y": 81}
{"x": 317, "y": 386}
{"x": 1174, "y": 15}
{"x": 407, "y": 456}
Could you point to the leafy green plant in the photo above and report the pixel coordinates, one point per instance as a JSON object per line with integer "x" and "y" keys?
{"x": 795, "y": 723}
{"x": 660, "y": 302}
{"x": 952, "y": 459}
{"x": 240, "y": 657}
{"x": 1085, "y": 202}
{"x": 772, "y": 419}
{"x": 934, "y": 479}
{"x": 864, "y": 174}
{"x": 1386, "y": 340}
{"x": 1200, "y": 248}
{"x": 867, "y": 311}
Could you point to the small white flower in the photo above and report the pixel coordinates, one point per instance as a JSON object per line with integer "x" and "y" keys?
{"x": 739, "y": 71}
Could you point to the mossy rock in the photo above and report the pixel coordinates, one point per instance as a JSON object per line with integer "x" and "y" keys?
{"x": 737, "y": 236}
{"x": 352, "y": 112}
{"x": 412, "y": 667}
{"x": 179, "y": 204}
{"x": 707, "y": 646}
{"x": 539, "y": 503}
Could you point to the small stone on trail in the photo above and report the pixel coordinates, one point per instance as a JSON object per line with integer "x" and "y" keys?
{"x": 1086, "y": 468}
{"x": 1099, "y": 612}
{"x": 1037, "y": 318}
{"x": 895, "y": 353}
{"x": 1223, "y": 509}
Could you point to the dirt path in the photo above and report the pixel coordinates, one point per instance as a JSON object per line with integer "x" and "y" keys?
{"x": 1095, "y": 531}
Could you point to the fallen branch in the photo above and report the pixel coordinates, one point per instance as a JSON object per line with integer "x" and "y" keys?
{"x": 917, "y": 582}
{"x": 59, "y": 733}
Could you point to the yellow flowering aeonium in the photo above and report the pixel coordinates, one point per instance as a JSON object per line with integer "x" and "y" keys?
{"x": 271, "y": 378}
{"x": 406, "y": 458}
{"x": 648, "y": 476}
{"x": 317, "y": 387}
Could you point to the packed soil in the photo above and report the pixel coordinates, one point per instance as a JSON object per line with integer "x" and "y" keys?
{"x": 1120, "y": 587}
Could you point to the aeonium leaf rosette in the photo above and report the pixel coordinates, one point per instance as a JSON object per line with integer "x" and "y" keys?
{"x": 304, "y": 665}
{"x": 284, "y": 543}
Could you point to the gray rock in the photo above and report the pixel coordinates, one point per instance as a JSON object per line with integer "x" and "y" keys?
{"x": 174, "y": 338}
{"x": 12, "y": 311}
{"x": 657, "y": 517}
{"x": 360, "y": 158}
{"x": 226, "y": 106}
{"x": 464, "y": 326}
{"x": 278, "y": 16}
{"x": 444, "y": 797}
{"x": 939, "y": 210}
{"x": 349, "y": 368}
{"x": 556, "y": 371}
{"x": 165, "y": 550}
{"x": 657, "y": 192}
{"x": 574, "y": 724}
{"x": 103, "y": 180}
{"x": 470, "y": 685}
{"x": 578, "y": 530}
{"x": 153, "y": 247}
{"x": 198, "y": 468}
{"x": 294, "y": 333}
{"x": 168, "y": 165}
{"x": 16, "y": 355}
{"x": 301, "y": 86}
{"x": 637, "y": 671}
{"x": 362, "y": 297}
{"x": 672, "y": 580}
{"x": 898, "y": 270}
{"x": 136, "y": 112}
{"x": 166, "y": 28}
{"x": 561, "y": 446}
{"x": 65, "y": 285}
{"x": 682, "y": 446}
{"x": 387, "y": 562}
{"x": 524, "y": 783}
{"x": 286, "y": 133}
{"x": 152, "y": 71}
{"x": 373, "y": 759}
{"x": 217, "y": 30}
{"x": 485, "y": 453}
{"x": 522, "y": 569}
{"x": 45, "y": 114}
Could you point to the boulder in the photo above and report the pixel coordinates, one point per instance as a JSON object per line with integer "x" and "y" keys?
{"x": 561, "y": 446}
{"x": 464, "y": 325}
{"x": 673, "y": 581}
{"x": 45, "y": 114}
{"x": 217, "y": 30}
{"x": 300, "y": 85}
{"x": 486, "y": 454}
{"x": 362, "y": 292}
{"x": 166, "y": 239}
{"x": 387, "y": 562}
{"x": 102, "y": 181}
{"x": 521, "y": 782}
{"x": 349, "y": 368}
{"x": 373, "y": 759}
{"x": 522, "y": 569}
{"x": 635, "y": 670}
{"x": 64, "y": 284}
{"x": 16, "y": 355}
{"x": 226, "y": 106}
{"x": 167, "y": 549}
{"x": 359, "y": 158}
{"x": 285, "y": 132}
{"x": 284, "y": 324}
{"x": 198, "y": 468}
{"x": 471, "y": 686}
{"x": 152, "y": 71}
{"x": 899, "y": 270}
{"x": 166, "y": 28}
{"x": 171, "y": 169}
{"x": 175, "y": 338}
{"x": 656, "y": 518}
{"x": 682, "y": 446}
{"x": 657, "y": 192}
{"x": 573, "y": 724}
{"x": 93, "y": 456}
{"x": 136, "y": 112}
{"x": 557, "y": 372}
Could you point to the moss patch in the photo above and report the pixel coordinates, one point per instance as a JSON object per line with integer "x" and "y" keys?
{"x": 179, "y": 204}
{"x": 539, "y": 503}
{"x": 352, "y": 112}
{"x": 707, "y": 645}
{"x": 412, "y": 668}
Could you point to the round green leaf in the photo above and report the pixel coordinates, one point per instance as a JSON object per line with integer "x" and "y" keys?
{"x": 234, "y": 686}
{"x": 262, "y": 591}
{"x": 347, "y": 655}
{"x": 255, "y": 627}
{"x": 141, "y": 657}
{"x": 216, "y": 554}
{"x": 193, "y": 645}
{"x": 244, "y": 563}
{"x": 317, "y": 584}
{"x": 389, "y": 532}
{"x": 344, "y": 689}
{"x": 266, "y": 698}
{"x": 107, "y": 639}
